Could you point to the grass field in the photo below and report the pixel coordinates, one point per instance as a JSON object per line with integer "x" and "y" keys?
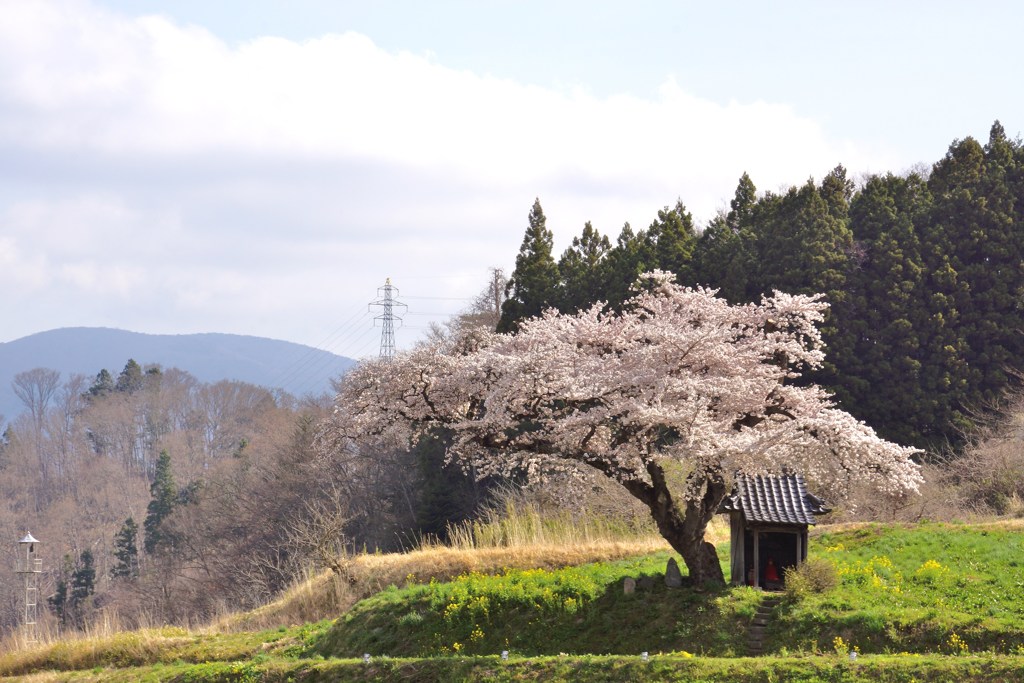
{"x": 931, "y": 602}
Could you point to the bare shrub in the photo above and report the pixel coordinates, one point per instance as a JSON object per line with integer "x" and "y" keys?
{"x": 816, "y": 575}
{"x": 988, "y": 477}
{"x": 938, "y": 498}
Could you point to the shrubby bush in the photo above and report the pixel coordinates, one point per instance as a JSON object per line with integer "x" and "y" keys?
{"x": 816, "y": 575}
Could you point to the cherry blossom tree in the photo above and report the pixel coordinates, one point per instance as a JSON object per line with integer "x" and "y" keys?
{"x": 670, "y": 398}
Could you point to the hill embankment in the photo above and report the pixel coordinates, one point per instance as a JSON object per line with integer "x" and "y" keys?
{"x": 929, "y": 602}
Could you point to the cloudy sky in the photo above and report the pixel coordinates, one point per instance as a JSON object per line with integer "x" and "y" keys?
{"x": 261, "y": 167}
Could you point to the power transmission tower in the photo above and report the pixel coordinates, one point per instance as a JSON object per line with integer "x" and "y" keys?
{"x": 387, "y": 304}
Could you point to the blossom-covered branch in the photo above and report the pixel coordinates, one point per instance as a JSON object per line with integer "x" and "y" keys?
{"x": 681, "y": 375}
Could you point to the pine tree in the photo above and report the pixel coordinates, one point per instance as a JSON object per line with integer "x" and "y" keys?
{"x": 890, "y": 346}
{"x": 126, "y": 551}
{"x": 837, "y": 190}
{"x": 580, "y": 269}
{"x": 741, "y": 206}
{"x": 975, "y": 251}
{"x": 623, "y": 264}
{"x": 670, "y": 241}
{"x": 803, "y": 248}
{"x": 164, "y": 495}
{"x": 446, "y": 493}
{"x": 58, "y": 602}
{"x": 533, "y": 286}
{"x": 724, "y": 258}
{"x": 71, "y": 601}
{"x": 131, "y": 378}
{"x": 83, "y": 579}
{"x": 102, "y": 385}
{"x": 719, "y": 260}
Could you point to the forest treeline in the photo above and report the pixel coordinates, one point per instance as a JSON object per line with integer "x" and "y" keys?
{"x": 924, "y": 273}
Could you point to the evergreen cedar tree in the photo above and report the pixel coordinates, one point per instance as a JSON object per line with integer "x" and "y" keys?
{"x": 680, "y": 386}
{"x": 579, "y": 276}
{"x": 164, "y": 496}
{"x": 534, "y": 284}
{"x": 73, "y": 588}
{"x": 83, "y": 579}
{"x": 126, "y": 551}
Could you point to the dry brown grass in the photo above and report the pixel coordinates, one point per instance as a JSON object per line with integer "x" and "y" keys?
{"x": 1001, "y": 524}
{"x": 326, "y": 595}
{"x": 517, "y": 537}
{"x": 77, "y": 651}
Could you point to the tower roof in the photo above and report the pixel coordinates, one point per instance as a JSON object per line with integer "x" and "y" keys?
{"x": 29, "y": 539}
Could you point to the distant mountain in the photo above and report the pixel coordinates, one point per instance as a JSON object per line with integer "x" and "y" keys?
{"x": 296, "y": 368}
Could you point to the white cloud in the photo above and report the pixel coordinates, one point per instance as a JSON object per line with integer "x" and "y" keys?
{"x": 18, "y": 272}
{"x": 99, "y": 81}
{"x": 276, "y": 179}
{"x": 97, "y": 279}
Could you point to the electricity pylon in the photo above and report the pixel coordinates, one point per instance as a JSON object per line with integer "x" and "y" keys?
{"x": 387, "y": 317}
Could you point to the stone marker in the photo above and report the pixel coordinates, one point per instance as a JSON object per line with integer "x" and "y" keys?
{"x": 673, "y": 578}
{"x": 628, "y": 585}
{"x": 645, "y": 583}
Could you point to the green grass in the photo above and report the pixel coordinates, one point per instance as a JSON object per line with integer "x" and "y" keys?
{"x": 586, "y": 668}
{"x": 538, "y": 612}
{"x": 931, "y": 602}
{"x": 927, "y": 588}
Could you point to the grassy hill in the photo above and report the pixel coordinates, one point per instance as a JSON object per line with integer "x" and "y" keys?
{"x": 933, "y": 602}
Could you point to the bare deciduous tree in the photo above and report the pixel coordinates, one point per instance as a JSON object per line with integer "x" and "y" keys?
{"x": 36, "y": 388}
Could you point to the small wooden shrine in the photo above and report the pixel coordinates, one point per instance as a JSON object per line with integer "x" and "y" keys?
{"x": 769, "y": 518}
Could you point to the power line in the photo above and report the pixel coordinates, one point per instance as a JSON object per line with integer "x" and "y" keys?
{"x": 442, "y": 298}
{"x": 308, "y": 367}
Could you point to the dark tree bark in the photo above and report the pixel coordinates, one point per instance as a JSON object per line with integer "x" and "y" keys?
{"x": 683, "y": 524}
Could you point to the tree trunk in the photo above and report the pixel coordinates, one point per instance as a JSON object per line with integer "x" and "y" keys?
{"x": 684, "y": 528}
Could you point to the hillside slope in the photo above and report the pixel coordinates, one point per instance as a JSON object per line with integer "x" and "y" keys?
{"x": 929, "y": 602}
{"x": 295, "y": 368}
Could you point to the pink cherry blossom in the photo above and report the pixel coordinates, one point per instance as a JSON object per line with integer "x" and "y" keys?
{"x": 680, "y": 379}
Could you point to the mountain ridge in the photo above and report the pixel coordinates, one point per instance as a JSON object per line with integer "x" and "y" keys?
{"x": 208, "y": 356}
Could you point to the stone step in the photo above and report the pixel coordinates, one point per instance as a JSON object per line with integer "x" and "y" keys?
{"x": 756, "y": 632}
